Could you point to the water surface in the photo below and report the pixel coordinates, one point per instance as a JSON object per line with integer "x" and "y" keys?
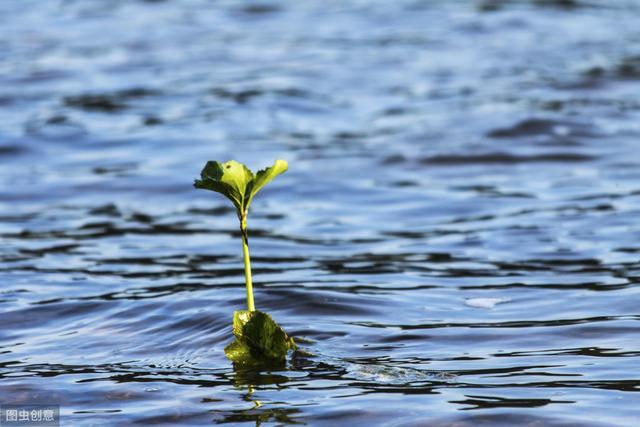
{"x": 457, "y": 236}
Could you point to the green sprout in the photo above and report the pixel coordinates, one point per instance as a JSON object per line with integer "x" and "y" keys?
{"x": 259, "y": 339}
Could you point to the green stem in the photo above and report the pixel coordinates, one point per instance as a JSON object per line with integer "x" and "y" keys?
{"x": 247, "y": 262}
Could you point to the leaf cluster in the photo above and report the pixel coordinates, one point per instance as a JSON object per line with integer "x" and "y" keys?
{"x": 236, "y": 181}
{"x": 260, "y": 341}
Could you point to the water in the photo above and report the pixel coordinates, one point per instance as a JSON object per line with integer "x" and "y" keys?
{"x": 457, "y": 236}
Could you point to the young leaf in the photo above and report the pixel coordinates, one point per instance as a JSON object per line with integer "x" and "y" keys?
{"x": 259, "y": 340}
{"x": 266, "y": 175}
{"x": 229, "y": 178}
{"x": 235, "y": 181}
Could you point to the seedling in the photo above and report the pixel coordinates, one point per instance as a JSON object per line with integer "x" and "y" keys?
{"x": 259, "y": 340}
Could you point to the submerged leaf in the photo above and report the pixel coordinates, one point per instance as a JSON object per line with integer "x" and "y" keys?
{"x": 259, "y": 340}
{"x": 235, "y": 181}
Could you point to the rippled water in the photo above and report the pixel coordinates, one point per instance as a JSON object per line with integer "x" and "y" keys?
{"x": 457, "y": 237}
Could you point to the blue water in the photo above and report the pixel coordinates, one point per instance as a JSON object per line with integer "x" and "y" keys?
{"x": 456, "y": 240}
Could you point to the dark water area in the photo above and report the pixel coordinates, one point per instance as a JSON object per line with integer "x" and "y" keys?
{"x": 457, "y": 239}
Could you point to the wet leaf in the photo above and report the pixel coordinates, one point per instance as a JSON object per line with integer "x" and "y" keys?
{"x": 259, "y": 340}
{"x": 237, "y": 352}
{"x": 235, "y": 181}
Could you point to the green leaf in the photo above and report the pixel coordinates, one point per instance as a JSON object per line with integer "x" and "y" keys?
{"x": 230, "y": 179}
{"x": 266, "y": 175}
{"x": 259, "y": 340}
{"x": 238, "y": 352}
{"x": 235, "y": 181}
